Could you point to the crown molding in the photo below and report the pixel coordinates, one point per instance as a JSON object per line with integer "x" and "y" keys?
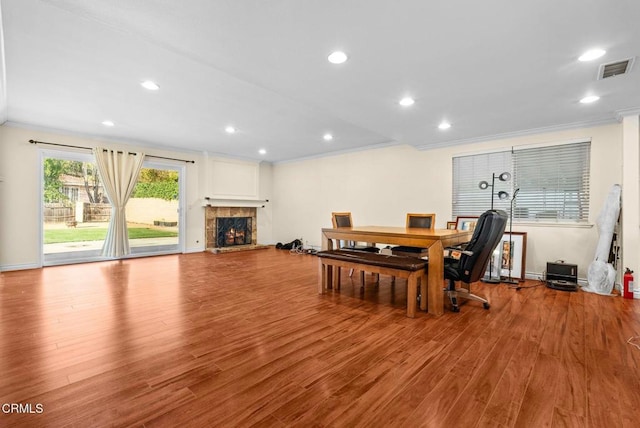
{"x": 620, "y": 114}
{"x": 516, "y": 134}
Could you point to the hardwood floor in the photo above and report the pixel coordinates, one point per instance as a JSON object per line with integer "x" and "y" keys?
{"x": 243, "y": 339}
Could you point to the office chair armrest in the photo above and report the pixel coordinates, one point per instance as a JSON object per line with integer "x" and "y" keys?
{"x": 460, "y": 246}
{"x": 455, "y": 253}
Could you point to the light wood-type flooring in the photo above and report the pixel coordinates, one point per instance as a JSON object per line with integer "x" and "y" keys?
{"x": 243, "y": 339}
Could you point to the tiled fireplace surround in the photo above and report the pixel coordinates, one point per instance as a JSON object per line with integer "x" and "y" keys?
{"x": 212, "y": 213}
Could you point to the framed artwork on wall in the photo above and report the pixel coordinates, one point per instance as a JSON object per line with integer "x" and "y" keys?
{"x": 466, "y": 222}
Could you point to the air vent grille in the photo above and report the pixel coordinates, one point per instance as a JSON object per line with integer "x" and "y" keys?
{"x": 615, "y": 68}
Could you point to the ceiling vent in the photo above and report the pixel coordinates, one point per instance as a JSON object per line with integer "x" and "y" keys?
{"x": 615, "y": 68}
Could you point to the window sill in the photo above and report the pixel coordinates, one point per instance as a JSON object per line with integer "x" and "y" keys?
{"x": 550, "y": 224}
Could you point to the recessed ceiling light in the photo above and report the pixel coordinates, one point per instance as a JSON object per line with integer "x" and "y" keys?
{"x": 444, "y": 125}
{"x": 262, "y": 151}
{"x": 592, "y": 54}
{"x": 337, "y": 57}
{"x": 108, "y": 123}
{"x": 152, "y": 86}
{"x": 590, "y": 99}
{"x": 327, "y": 137}
{"x": 230, "y": 130}
{"x": 407, "y": 101}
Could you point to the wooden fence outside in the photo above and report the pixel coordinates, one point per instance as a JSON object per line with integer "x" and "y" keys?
{"x": 96, "y": 212}
{"x": 58, "y": 213}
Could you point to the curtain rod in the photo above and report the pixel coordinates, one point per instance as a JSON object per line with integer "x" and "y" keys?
{"x": 88, "y": 148}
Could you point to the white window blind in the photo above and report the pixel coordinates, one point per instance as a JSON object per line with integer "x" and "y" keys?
{"x": 468, "y": 171}
{"x": 553, "y": 183}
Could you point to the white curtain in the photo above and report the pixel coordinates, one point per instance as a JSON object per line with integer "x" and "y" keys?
{"x": 119, "y": 173}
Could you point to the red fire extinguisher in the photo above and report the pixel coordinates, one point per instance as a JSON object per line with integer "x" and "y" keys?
{"x": 627, "y": 293}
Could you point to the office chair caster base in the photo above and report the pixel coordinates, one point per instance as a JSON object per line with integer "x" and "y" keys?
{"x": 454, "y": 303}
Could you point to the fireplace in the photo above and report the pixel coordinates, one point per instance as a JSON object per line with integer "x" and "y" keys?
{"x": 232, "y": 231}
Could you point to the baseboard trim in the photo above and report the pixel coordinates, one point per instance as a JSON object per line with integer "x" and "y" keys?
{"x": 24, "y": 266}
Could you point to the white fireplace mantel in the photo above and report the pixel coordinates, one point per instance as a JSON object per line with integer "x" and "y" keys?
{"x": 230, "y": 202}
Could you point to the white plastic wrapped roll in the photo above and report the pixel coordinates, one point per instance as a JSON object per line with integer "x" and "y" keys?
{"x": 601, "y": 275}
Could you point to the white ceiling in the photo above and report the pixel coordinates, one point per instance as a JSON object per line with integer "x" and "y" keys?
{"x": 492, "y": 68}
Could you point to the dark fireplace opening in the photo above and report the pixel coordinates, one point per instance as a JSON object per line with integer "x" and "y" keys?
{"x": 233, "y": 231}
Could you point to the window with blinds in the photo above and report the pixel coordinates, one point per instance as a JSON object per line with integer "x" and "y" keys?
{"x": 553, "y": 183}
{"x": 468, "y": 172}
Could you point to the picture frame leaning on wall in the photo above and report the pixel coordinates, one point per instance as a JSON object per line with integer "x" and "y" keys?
{"x": 466, "y": 223}
{"x": 514, "y": 250}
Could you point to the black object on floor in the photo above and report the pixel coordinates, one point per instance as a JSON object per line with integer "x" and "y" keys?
{"x": 562, "y": 285}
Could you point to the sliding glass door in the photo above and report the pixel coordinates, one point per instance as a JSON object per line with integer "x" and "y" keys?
{"x": 76, "y": 211}
{"x": 154, "y": 210}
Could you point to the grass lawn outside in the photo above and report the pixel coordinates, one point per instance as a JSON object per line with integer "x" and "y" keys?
{"x": 57, "y": 236}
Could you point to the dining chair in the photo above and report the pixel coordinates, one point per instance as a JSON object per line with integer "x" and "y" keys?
{"x": 343, "y": 219}
{"x": 416, "y": 221}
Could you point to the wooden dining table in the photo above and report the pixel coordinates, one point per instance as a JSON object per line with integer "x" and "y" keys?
{"x": 436, "y": 240}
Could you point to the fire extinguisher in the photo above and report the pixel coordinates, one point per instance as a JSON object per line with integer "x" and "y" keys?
{"x": 628, "y": 284}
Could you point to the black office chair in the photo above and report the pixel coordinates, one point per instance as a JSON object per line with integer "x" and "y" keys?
{"x": 468, "y": 263}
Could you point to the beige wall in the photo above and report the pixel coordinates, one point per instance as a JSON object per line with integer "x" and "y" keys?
{"x": 380, "y": 186}
{"x": 19, "y": 199}
{"x": 630, "y": 190}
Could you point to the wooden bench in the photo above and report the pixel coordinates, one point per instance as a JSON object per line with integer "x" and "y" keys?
{"x": 411, "y": 268}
